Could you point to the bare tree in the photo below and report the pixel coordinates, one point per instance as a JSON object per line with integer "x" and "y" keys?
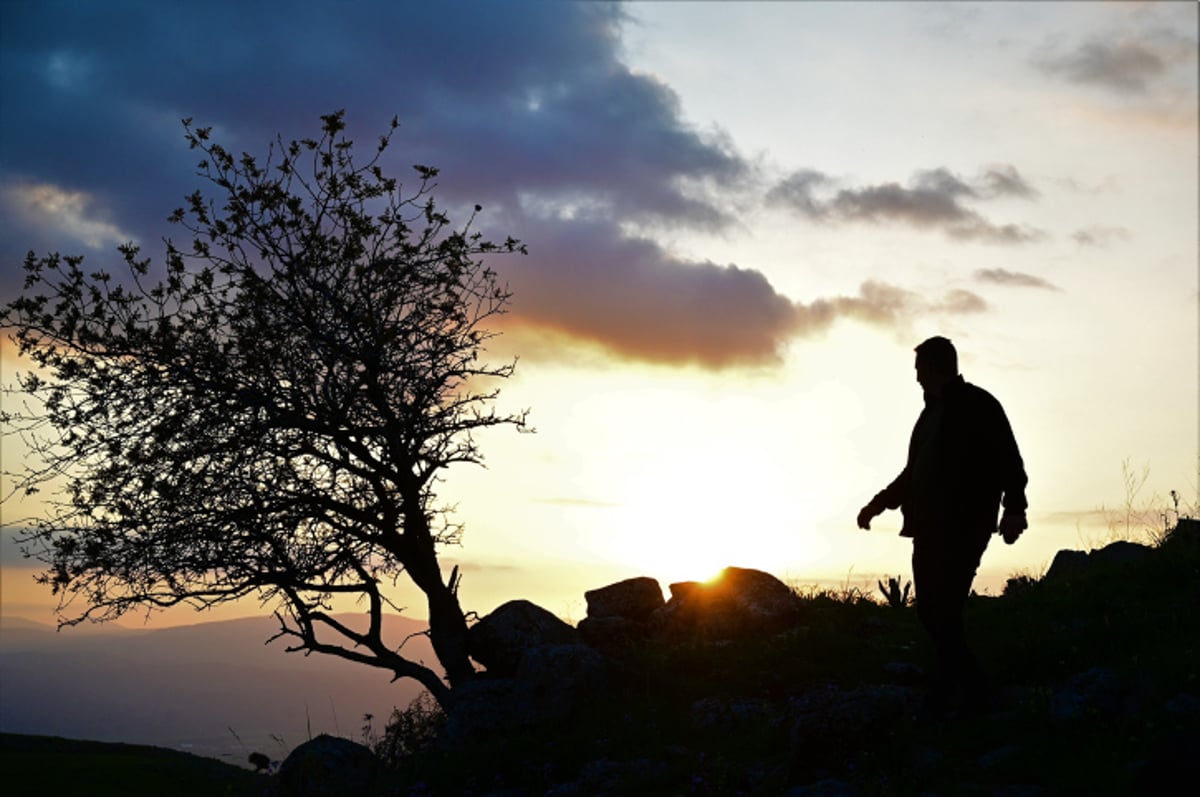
{"x": 269, "y": 419}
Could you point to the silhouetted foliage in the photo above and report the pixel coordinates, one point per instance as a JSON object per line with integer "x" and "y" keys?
{"x": 270, "y": 419}
{"x": 896, "y": 597}
{"x": 410, "y": 731}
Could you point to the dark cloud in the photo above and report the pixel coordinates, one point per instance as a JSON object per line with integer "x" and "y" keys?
{"x": 932, "y": 199}
{"x": 999, "y": 276}
{"x": 526, "y": 108}
{"x": 1126, "y": 65}
{"x": 1100, "y": 235}
{"x": 633, "y": 298}
{"x": 512, "y": 103}
{"x": 585, "y": 281}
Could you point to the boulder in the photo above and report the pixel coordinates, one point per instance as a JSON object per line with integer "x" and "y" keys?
{"x": 500, "y": 640}
{"x": 329, "y": 766}
{"x": 631, "y": 599}
{"x": 1066, "y": 564}
{"x": 611, "y": 633}
{"x": 739, "y": 602}
{"x": 1121, "y": 552}
{"x": 1069, "y": 564}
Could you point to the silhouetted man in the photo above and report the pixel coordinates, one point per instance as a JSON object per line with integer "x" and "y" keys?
{"x": 962, "y": 463}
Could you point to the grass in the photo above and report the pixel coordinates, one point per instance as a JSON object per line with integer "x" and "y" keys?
{"x": 1136, "y": 621}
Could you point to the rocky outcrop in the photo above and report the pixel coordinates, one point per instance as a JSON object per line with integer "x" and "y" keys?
{"x": 738, "y": 603}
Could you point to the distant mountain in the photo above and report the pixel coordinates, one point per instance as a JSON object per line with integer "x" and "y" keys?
{"x": 186, "y": 687}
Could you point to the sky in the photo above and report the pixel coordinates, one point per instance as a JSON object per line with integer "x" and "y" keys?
{"x": 741, "y": 218}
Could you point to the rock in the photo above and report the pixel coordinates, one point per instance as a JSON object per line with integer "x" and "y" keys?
{"x": 735, "y": 715}
{"x": 500, "y": 640}
{"x": 829, "y": 718}
{"x": 551, "y": 683}
{"x": 1066, "y": 564}
{"x": 1120, "y": 552}
{"x": 611, "y": 633}
{"x": 1094, "y": 693}
{"x": 1000, "y": 756}
{"x": 563, "y": 678}
{"x": 329, "y": 766}
{"x": 827, "y": 787}
{"x": 905, "y": 672}
{"x": 631, "y": 599}
{"x": 1184, "y": 704}
{"x": 737, "y": 603}
{"x": 603, "y": 776}
{"x": 484, "y": 708}
{"x": 682, "y": 590}
{"x": 1185, "y": 529}
{"x": 1169, "y": 765}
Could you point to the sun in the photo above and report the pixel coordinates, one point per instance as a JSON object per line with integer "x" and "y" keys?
{"x": 698, "y": 518}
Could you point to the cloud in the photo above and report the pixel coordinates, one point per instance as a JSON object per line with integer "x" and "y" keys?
{"x": 69, "y": 212}
{"x": 999, "y": 276}
{"x": 1004, "y": 180}
{"x": 1126, "y": 65}
{"x": 883, "y": 304}
{"x": 526, "y": 108}
{"x": 585, "y": 281}
{"x": 1099, "y": 235}
{"x": 636, "y": 301}
{"x": 526, "y": 100}
{"x": 933, "y": 199}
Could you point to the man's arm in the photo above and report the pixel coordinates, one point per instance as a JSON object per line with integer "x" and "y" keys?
{"x": 1010, "y": 469}
{"x": 889, "y": 497}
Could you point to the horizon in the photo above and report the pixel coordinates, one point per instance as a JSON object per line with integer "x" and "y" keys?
{"x": 741, "y": 220}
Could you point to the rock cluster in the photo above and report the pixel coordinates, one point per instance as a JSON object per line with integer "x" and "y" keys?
{"x": 538, "y": 669}
{"x": 737, "y": 603}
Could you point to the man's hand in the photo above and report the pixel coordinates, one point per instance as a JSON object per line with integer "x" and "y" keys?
{"x": 1011, "y": 526}
{"x": 866, "y": 513}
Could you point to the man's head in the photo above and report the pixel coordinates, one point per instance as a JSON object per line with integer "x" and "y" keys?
{"x": 937, "y": 364}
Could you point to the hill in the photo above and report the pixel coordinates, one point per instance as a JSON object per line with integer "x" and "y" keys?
{"x": 47, "y": 765}
{"x": 1095, "y": 669}
{"x": 1099, "y": 694}
{"x": 210, "y": 688}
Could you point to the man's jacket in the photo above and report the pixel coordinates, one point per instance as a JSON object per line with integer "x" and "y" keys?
{"x": 962, "y": 462}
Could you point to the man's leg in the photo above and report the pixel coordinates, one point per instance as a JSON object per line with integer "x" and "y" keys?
{"x": 943, "y": 569}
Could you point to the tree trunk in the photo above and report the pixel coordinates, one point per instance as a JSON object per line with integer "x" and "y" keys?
{"x": 447, "y": 625}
